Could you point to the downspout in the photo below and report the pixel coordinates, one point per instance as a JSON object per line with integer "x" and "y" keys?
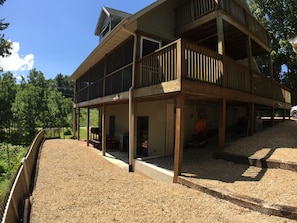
{"x": 131, "y": 105}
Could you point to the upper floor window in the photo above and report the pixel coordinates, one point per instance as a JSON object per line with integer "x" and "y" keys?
{"x": 148, "y": 46}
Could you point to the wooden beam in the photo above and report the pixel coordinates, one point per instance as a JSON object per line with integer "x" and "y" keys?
{"x": 210, "y": 16}
{"x": 214, "y": 91}
{"x": 179, "y": 136}
{"x": 222, "y": 123}
{"x": 245, "y": 30}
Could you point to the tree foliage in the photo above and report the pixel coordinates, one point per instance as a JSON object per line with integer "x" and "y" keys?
{"x": 280, "y": 19}
{"x": 32, "y": 104}
{"x": 5, "y": 45}
{"x": 63, "y": 84}
{"x": 7, "y": 96}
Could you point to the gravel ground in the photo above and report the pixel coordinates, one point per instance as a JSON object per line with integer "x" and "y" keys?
{"x": 76, "y": 184}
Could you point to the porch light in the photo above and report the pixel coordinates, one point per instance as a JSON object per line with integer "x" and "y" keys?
{"x": 117, "y": 97}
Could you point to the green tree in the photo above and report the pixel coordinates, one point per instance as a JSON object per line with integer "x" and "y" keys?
{"x": 36, "y": 78}
{"x": 280, "y": 19}
{"x": 7, "y": 96}
{"x": 59, "y": 110}
{"x": 26, "y": 111}
{"x": 63, "y": 84}
{"x": 37, "y": 105}
{"x": 5, "y": 45}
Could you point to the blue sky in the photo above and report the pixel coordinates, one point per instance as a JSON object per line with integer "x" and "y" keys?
{"x": 54, "y": 36}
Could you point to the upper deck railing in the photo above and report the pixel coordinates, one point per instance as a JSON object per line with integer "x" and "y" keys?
{"x": 192, "y": 10}
{"x": 183, "y": 60}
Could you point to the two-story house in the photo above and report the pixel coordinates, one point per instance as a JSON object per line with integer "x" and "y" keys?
{"x": 153, "y": 71}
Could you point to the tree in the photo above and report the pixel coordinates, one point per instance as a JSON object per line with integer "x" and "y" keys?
{"x": 59, "y": 110}
{"x": 26, "y": 110}
{"x": 63, "y": 84}
{"x": 39, "y": 105}
{"x": 5, "y": 45}
{"x": 280, "y": 19}
{"x": 7, "y": 96}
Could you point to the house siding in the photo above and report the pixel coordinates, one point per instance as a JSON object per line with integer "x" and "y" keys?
{"x": 159, "y": 21}
{"x": 157, "y": 112}
{"x": 120, "y": 112}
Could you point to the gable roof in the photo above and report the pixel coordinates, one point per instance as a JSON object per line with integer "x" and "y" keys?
{"x": 109, "y": 14}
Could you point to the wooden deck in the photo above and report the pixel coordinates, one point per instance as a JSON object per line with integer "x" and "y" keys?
{"x": 187, "y": 65}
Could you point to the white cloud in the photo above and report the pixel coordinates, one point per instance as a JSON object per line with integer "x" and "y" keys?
{"x": 16, "y": 62}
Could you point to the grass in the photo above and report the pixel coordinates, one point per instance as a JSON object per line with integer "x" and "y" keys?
{"x": 83, "y": 124}
{"x": 10, "y": 160}
{"x": 84, "y": 117}
{"x": 4, "y": 184}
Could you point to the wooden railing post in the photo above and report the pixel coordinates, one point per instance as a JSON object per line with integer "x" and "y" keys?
{"x": 180, "y": 59}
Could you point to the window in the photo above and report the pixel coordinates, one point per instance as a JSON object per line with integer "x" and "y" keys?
{"x": 148, "y": 46}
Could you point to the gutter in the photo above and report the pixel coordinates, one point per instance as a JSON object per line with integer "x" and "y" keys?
{"x": 131, "y": 104}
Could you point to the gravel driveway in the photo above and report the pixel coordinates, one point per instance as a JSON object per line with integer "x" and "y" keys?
{"x": 76, "y": 184}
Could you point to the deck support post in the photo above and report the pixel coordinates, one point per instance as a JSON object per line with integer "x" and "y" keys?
{"x": 78, "y": 124}
{"x": 103, "y": 137}
{"x": 272, "y": 116}
{"x": 99, "y": 120}
{"x": 132, "y": 135}
{"x": 222, "y": 123}
{"x": 179, "y": 136}
{"x": 88, "y": 127}
{"x": 251, "y": 125}
{"x": 74, "y": 122}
